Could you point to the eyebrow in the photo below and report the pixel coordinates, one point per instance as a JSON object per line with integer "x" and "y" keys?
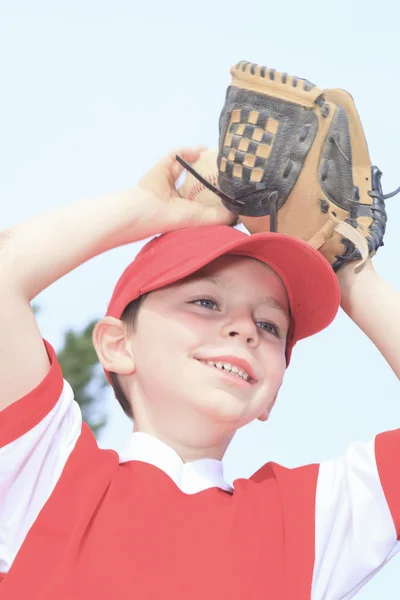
{"x": 215, "y": 279}
{"x": 270, "y": 301}
{"x": 273, "y": 302}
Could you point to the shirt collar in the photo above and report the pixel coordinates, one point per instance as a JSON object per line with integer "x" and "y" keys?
{"x": 190, "y": 477}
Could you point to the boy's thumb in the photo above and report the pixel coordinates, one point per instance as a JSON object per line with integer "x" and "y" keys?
{"x": 216, "y": 215}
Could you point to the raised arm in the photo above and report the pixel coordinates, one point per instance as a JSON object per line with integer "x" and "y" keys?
{"x": 374, "y": 306}
{"x": 37, "y": 252}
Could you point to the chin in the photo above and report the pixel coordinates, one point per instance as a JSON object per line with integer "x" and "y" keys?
{"x": 224, "y": 407}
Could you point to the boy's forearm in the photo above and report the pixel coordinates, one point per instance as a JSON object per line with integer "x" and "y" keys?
{"x": 374, "y": 306}
{"x": 37, "y": 252}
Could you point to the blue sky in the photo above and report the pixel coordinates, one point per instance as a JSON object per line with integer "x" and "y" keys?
{"x": 93, "y": 92}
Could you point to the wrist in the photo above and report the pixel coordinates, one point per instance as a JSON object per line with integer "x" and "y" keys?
{"x": 133, "y": 206}
{"x": 355, "y": 287}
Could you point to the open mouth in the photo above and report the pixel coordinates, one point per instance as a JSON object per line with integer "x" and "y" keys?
{"x": 229, "y": 369}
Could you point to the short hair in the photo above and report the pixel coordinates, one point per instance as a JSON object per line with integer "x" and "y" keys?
{"x": 129, "y": 316}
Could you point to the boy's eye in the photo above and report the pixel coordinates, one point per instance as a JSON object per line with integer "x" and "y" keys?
{"x": 269, "y": 328}
{"x": 264, "y": 325}
{"x": 205, "y": 302}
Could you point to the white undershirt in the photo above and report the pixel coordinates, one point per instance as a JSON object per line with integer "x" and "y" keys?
{"x": 190, "y": 477}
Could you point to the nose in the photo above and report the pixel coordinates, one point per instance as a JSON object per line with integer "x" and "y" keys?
{"x": 242, "y": 326}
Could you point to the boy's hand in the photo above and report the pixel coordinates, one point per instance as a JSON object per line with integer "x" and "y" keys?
{"x": 164, "y": 210}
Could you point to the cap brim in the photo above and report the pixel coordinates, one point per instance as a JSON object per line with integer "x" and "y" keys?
{"x": 309, "y": 279}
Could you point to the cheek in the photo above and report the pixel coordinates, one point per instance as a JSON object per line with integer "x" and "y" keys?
{"x": 274, "y": 359}
{"x": 163, "y": 345}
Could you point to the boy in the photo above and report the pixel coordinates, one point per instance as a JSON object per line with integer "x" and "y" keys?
{"x": 196, "y": 340}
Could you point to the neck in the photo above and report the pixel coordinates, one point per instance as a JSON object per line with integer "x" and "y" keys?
{"x": 188, "y": 452}
{"x": 192, "y": 433}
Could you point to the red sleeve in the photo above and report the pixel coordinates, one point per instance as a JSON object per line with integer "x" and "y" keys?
{"x": 27, "y": 412}
{"x": 387, "y": 451}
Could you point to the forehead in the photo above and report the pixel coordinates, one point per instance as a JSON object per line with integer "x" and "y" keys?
{"x": 230, "y": 271}
{"x": 230, "y": 264}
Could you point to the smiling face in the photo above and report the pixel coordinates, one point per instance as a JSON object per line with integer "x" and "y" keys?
{"x": 209, "y": 352}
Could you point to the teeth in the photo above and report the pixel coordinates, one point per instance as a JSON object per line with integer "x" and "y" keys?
{"x": 229, "y": 367}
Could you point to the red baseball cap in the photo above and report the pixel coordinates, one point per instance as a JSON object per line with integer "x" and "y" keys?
{"x": 310, "y": 281}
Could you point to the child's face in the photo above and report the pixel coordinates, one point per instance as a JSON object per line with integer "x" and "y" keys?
{"x": 235, "y": 310}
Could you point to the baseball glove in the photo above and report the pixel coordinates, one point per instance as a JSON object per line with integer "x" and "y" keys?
{"x": 294, "y": 159}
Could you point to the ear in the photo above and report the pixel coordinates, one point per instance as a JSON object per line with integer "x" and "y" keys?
{"x": 265, "y": 414}
{"x": 112, "y": 346}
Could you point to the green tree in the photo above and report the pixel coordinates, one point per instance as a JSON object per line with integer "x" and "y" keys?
{"x": 83, "y": 372}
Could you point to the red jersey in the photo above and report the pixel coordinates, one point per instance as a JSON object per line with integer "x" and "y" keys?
{"x": 78, "y": 522}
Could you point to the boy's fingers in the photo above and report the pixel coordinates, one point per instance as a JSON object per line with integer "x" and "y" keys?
{"x": 218, "y": 215}
{"x": 207, "y": 215}
{"x": 189, "y": 155}
{"x": 201, "y": 148}
{"x": 169, "y": 169}
{"x": 176, "y": 170}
